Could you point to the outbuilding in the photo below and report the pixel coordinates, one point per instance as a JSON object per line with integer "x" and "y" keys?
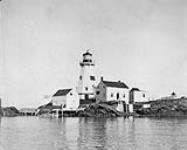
{"x": 112, "y": 91}
{"x": 137, "y": 95}
{"x": 67, "y": 98}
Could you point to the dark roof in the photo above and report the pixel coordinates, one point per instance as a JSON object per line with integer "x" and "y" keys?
{"x": 87, "y": 53}
{"x": 135, "y": 89}
{"x": 62, "y": 92}
{"x": 115, "y": 84}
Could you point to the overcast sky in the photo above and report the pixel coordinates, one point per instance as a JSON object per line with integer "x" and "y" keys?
{"x": 140, "y": 42}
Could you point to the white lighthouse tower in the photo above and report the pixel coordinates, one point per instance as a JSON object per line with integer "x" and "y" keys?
{"x": 87, "y": 78}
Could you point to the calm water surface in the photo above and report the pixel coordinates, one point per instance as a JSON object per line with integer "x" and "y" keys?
{"x": 32, "y": 133}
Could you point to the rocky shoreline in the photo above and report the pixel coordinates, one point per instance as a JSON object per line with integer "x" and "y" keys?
{"x": 90, "y": 110}
{"x": 165, "y": 108}
{"x": 100, "y": 110}
{"x": 158, "y": 108}
{"x": 9, "y": 111}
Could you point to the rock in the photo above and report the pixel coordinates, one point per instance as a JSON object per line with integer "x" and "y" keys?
{"x": 107, "y": 109}
{"x": 165, "y": 108}
{"x": 100, "y": 110}
{"x": 10, "y": 111}
{"x": 44, "y": 109}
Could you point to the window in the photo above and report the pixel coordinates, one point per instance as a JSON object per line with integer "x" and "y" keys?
{"x": 117, "y": 95}
{"x": 97, "y": 92}
{"x": 143, "y": 95}
{"x": 71, "y": 94}
{"x": 80, "y": 77}
{"x": 92, "y": 78}
{"x": 86, "y": 88}
{"x": 112, "y": 94}
{"x": 124, "y": 95}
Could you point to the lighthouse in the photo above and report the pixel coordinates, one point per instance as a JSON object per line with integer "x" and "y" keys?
{"x": 87, "y": 78}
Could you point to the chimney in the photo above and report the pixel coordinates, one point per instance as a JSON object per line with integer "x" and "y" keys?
{"x": 102, "y": 78}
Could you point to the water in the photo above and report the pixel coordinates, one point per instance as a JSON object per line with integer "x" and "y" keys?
{"x": 32, "y": 133}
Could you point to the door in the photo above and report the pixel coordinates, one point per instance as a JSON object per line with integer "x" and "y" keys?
{"x": 117, "y": 96}
{"x": 86, "y": 96}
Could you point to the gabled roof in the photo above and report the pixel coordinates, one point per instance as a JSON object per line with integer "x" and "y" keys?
{"x": 87, "y": 53}
{"x": 135, "y": 89}
{"x": 115, "y": 84}
{"x": 62, "y": 92}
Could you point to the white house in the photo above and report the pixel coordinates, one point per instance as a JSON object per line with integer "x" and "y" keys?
{"x": 68, "y": 98}
{"x": 112, "y": 91}
{"x": 87, "y": 78}
{"x": 137, "y": 95}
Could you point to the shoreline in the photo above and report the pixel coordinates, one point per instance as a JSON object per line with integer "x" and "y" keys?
{"x": 175, "y": 108}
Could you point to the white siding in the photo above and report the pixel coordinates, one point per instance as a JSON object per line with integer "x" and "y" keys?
{"x": 123, "y": 94}
{"x": 59, "y": 100}
{"x": 140, "y": 96}
{"x": 72, "y": 100}
{"x": 85, "y": 85}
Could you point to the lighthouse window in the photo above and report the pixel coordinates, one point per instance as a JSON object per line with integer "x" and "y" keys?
{"x": 80, "y": 77}
{"x": 112, "y": 95}
{"x": 92, "y": 78}
{"x": 86, "y": 88}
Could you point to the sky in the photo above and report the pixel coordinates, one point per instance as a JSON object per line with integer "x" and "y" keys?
{"x": 140, "y": 42}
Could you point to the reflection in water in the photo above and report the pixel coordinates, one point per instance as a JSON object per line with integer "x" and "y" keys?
{"x": 92, "y": 133}
{"x": 30, "y": 133}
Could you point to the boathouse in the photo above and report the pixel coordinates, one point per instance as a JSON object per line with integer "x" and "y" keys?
{"x": 67, "y": 98}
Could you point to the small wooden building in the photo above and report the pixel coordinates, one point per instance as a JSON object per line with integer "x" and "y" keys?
{"x": 137, "y": 95}
{"x": 67, "y": 98}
